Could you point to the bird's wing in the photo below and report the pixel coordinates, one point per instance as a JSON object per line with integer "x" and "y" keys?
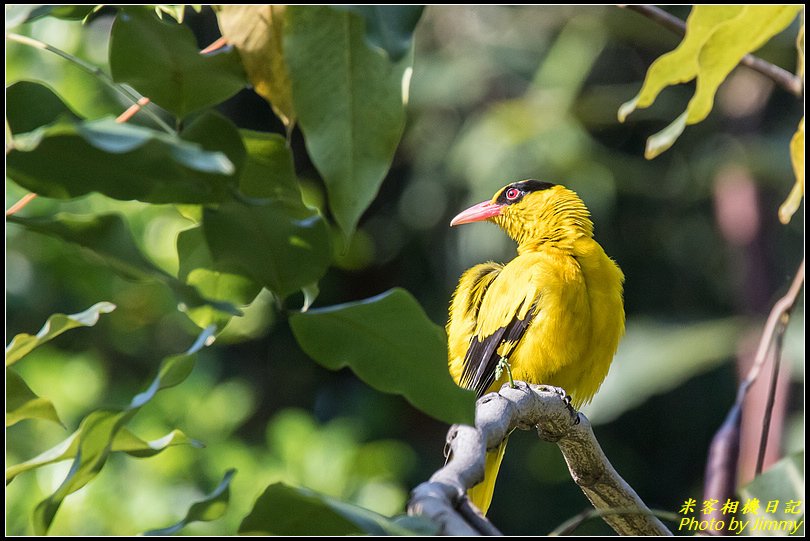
{"x": 490, "y": 316}
{"x": 484, "y": 353}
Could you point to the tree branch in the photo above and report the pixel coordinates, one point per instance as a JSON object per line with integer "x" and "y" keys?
{"x": 443, "y": 498}
{"x": 780, "y": 76}
{"x": 721, "y": 466}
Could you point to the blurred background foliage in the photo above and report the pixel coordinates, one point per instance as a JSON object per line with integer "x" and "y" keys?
{"x": 497, "y": 94}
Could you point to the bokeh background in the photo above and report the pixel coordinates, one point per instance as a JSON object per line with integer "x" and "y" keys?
{"x": 498, "y": 94}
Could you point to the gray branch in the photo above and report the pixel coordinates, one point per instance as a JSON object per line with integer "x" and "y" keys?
{"x": 443, "y": 498}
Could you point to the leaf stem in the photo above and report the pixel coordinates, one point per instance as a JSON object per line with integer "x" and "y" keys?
{"x": 780, "y": 76}
{"x": 92, "y": 70}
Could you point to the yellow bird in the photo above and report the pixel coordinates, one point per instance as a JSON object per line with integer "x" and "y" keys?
{"x": 552, "y": 315}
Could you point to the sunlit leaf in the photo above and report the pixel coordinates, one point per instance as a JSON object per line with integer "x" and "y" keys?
{"x": 67, "y": 157}
{"x": 197, "y": 269}
{"x": 388, "y": 27}
{"x": 285, "y": 510}
{"x": 23, "y": 343}
{"x": 282, "y": 244}
{"x": 212, "y": 507}
{"x": 348, "y": 97}
{"x": 94, "y": 439}
{"x": 124, "y": 441}
{"x": 23, "y": 403}
{"x": 257, "y": 33}
{"x": 107, "y": 238}
{"x": 160, "y": 59}
{"x": 794, "y": 199}
{"x": 716, "y": 39}
{"x": 784, "y": 483}
{"x": 390, "y": 343}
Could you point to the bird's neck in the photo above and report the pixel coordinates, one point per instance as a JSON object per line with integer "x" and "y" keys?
{"x": 557, "y": 226}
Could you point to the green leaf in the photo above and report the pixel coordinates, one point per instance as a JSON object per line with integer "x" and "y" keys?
{"x": 31, "y": 105}
{"x": 23, "y": 343}
{"x": 198, "y": 270}
{"x": 716, "y": 39}
{"x": 274, "y": 239}
{"x": 388, "y": 27}
{"x": 37, "y": 11}
{"x": 124, "y": 441}
{"x": 784, "y": 483}
{"x": 22, "y": 403}
{"x": 106, "y": 238}
{"x": 280, "y": 245}
{"x": 284, "y": 510}
{"x": 160, "y": 59}
{"x": 257, "y": 33}
{"x": 349, "y": 100}
{"x": 97, "y": 432}
{"x": 69, "y": 157}
{"x": 390, "y": 343}
{"x": 212, "y": 507}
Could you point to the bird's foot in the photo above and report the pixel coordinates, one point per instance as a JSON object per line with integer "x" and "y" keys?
{"x": 565, "y": 398}
{"x": 503, "y": 364}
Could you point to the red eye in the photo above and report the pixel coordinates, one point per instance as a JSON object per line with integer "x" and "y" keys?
{"x": 512, "y": 193}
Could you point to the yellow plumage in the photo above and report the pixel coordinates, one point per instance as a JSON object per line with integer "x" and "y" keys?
{"x": 555, "y": 312}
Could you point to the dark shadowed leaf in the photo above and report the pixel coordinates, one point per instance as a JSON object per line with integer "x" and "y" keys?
{"x": 284, "y": 510}
{"x": 390, "y": 343}
{"x": 212, "y": 507}
{"x": 348, "y": 97}
{"x": 389, "y": 27}
{"x": 30, "y": 105}
{"x": 23, "y": 343}
{"x": 23, "y": 403}
{"x": 160, "y": 59}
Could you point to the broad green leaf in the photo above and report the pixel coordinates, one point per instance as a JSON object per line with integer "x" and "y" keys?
{"x": 390, "y": 343}
{"x": 794, "y": 199}
{"x": 212, "y": 507}
{"x": 784, "y": 483}
{"x": 160, "y": 59}
{"x": 97, "y": 432}
{"x": 716, "y": 39}
{"x": 23, "y": 343}
{"x": 69, "y": 157}
{"x": 257, "y": 33}
{"x": 274, "y": 239}
{"x": 22, "y": 403}
{"x": 31, "y": 105}
{"x": 349, "y": 100}
{"x": 197, "y": 269}
{"x": 283, "y": 246}
{"x": 269, "y": 172}
{"x": 107, "y": 238}
{"x": 124, "y": 441}
{"x": 388, "y": 27}
{"x": 285, "y": 510}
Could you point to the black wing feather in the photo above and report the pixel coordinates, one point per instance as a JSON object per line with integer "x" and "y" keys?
{"x": 481, "y": 360}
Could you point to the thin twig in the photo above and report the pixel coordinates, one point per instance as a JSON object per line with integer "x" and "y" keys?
{"x": 19, "y": 205}
{"x": 92, "y": 70}
{"x": 780, "y": 76}
{"x": 721, "y": 465}
{"x": 217, "y": 44}
{"x": 768, "y": 414}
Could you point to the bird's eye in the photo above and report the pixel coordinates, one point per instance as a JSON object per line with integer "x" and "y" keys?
{"x": 512, "y": 194}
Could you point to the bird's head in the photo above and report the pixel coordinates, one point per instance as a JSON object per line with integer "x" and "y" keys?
{"x": 533, "y": 212}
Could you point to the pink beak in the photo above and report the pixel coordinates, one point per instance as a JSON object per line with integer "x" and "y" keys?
{"x": 477, "y": 213}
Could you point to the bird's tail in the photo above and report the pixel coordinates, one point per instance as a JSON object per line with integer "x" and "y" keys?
{"x": 481, "y": 494}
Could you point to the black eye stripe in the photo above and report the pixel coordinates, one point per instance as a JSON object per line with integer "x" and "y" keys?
{"x": 523, "y": 187}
